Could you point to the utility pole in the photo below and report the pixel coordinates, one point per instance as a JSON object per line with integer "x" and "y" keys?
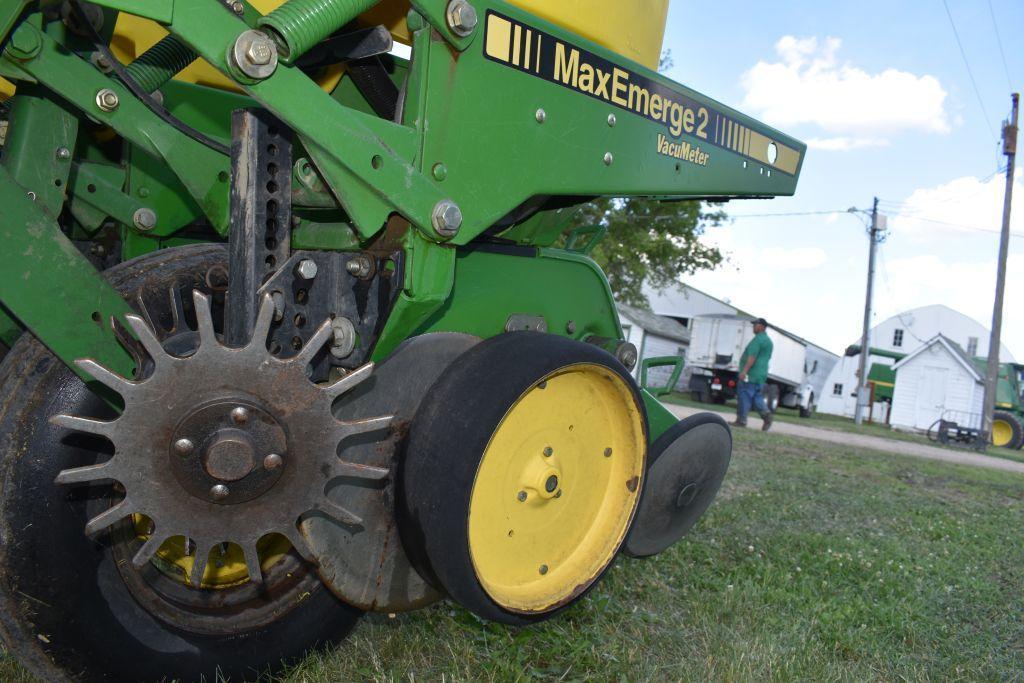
{"x": 863, "y": 390}
{"x": 992, "y": 373}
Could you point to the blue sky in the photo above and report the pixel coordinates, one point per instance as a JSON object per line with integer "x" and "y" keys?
{"x": 880, "y": 91}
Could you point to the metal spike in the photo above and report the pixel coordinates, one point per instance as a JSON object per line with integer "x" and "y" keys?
{"x": 199, "y": 560}
{"x": 129, "y": 343}
{"x": 82, "y": 424}
{"x": 105, "y": 519}
{"x": 178, "y": 323}
{"x": 148, "y": 550}
{"x": 322, "y": 335}
{"x": 349, "y": 381}
{"x": 204, "y": 318}
{"x": 145, "y": 334}
{"x": 84, "y": 475}
{"x": 352, "y": 470}
{"x": 264, "y": 319}
{"x": 339, "y": 513}
{"x": 252, "y": 563}
{"x": 104, "y": 376}
{"x": 373, "y": 424}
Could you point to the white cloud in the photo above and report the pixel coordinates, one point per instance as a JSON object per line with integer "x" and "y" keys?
{"x": 963, "y": 205}
{"x": 801, "y": 258}
{"x": 845, "y": 144}
{"x": 808, "y": 85}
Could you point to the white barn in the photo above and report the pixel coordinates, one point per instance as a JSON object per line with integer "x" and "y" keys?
{"x": 902, "y": 334}
{"x": 653, "y": 335}
{"x": 937, "y": 380}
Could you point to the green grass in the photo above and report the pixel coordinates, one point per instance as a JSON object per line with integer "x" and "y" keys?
{"x": 817, "y": 562}
{"x": 843, "y": 424}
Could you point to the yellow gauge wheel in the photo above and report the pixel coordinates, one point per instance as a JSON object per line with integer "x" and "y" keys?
{"x": 522, "y": 473}
{"x": 555, "y": 490}
{"x": 1007, "y": 431}
{"x": 1002, "y": 433}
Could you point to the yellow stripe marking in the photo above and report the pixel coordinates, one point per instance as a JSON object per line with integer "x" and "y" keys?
{"x": 499, "y": 37}
{"x": 517, "y": 38}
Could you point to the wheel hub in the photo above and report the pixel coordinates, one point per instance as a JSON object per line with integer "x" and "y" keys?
{"x": 226, "y": 445}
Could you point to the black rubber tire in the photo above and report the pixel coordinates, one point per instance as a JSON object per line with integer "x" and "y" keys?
{"x": 719, "y": 399}
{"x": 66, "y": 610}
{"x": 699, "y": 396}
{"x": 702, "y": 470}
{"x": 771, "y": 397}
{"x": 809, "y": 410}
{"x": 1013, "y": 421}
{"x": 449, "y": 436}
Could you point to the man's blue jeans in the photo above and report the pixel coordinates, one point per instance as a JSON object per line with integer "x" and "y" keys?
{"x": 747, "y": 394}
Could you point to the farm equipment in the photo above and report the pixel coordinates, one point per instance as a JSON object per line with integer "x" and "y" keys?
{"x": 288, "y": 332}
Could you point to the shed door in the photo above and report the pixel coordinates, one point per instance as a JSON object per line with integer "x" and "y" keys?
{"x": 931, "y": 396}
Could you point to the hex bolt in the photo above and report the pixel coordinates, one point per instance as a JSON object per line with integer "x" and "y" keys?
{"x": 612, "y": 120}
{"x": 522, "y": 496}
{"x": 548, "y": 450}
{"x": 609, "y": 159}
{"x": 107, "y": 100}
{"x": 219, "y": 491}
{"x": 255, "y": 54}
{"x": 608, "y": 452}
{"x": 63, "y": 153}
{"x": 240, "y": 415}
{"x": 100, "y": 62}
{"x": 184, "y": 447}
{"x": 551, "y": 484}
{"x": 344, "y": 341}
{"x": 306, "y": 269}
{"x": 462, "y": 17}
{"x": 447, "y": 218}
{"x": 237, "y": 7}
{"x": 543, "y": 569}
{"x": 361, "y": 266}
{"x": 570, "y": 327}
{"x": 272, "y": 462}
{"x": 144, "y": 219}
{"x": 559, "y": 494}
{"x": 541, "y": 116}
{"x": 278, "y": 299}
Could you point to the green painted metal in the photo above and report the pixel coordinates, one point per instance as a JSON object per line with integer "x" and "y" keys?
{"x": 52, "y": 289}
{"x": 10, "y": 330}
{"x": 659, "y": 418}
{"x": 676, "y": 362}
{"x": 593, "y": 233}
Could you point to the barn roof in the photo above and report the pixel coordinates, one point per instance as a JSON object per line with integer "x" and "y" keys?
{"x": 954, "y": 349}
{"x": 654, "y": 323}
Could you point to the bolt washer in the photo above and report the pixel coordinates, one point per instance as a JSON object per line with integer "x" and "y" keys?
{"x": 144, "y": 459}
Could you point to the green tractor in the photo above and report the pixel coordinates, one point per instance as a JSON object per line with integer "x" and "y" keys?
{"x": 291, "y": 330}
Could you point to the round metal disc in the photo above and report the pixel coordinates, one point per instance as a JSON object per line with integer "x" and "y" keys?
{"x": 688, "y": 464}
{"x": 366, "y": 565}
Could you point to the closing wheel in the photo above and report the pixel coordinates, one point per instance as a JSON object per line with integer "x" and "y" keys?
{"x": 522, "y": 474}
{"x": 146, "y": 622}
{"x": 1006, "y": 430}
{"x": 686, "y": 467}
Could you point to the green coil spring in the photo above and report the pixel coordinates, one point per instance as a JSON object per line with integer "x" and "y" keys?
{"x": 160, "y": 63}
{"x": 301, "y": 24}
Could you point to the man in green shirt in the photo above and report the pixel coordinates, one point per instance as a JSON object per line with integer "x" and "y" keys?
{"x": 753, "y": 375}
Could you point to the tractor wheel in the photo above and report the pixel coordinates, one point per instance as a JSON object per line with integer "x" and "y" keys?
{"x": 76, "y": 607}
{"x": 522, "y": 474}
{"x": 1006, "y": 430}
{"x": 686, "y": 467}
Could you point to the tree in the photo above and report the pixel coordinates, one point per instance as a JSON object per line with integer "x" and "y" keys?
{"x": 650, "y": 240}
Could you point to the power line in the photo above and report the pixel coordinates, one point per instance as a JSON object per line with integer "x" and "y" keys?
{"x": 999, "y": 42}
{"x": 967, "y": 64}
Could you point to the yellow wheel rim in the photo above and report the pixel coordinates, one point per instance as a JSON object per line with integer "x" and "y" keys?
{"x": 1002, "y": 432}
{"x": 226, "y": 565}
{"x": 556, "y": 488}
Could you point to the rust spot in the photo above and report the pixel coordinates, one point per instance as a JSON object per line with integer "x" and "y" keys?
{"x": 632, "y": 484}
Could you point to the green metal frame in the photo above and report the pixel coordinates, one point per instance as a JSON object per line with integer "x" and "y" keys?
{"x": 659, "y": 362}
{"x": 476, "y": 129}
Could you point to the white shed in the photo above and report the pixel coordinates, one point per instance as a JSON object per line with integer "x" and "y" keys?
{"x": 653, "y": 335}
{"x": 937, "y": 380}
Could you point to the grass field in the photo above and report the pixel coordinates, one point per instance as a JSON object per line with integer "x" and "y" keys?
{"x": 816, "y": 563}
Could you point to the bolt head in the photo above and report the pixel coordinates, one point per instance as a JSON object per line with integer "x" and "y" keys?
{"x": 237, "y": 7}
{"x": 570, "y": 327}
{"x": 273, "y": 462}
{"x": 306, "y": 269}
{"x": 107, "y": 100}
{"x": 184, "y": 447}
{"x": 447, "y": 218}
{"x": 63, "y": 153}
{"x": 541, "y": 116}
{"x": 548, "y": 451}
{"x": 219, "y": 491}
{"x": 522, "y": 496}
{"x": 462, "y": 17}
{"x": 255, "y": 54}
{"x": 543, "y": 569}
{"x": 627, "y": 355}
{"x": 240, "y": 415}
{"x": 344, "y": 341}
{"x": 612, "y": 120}
{"x": 608, "y": 452}
{"x": 144, "y": 219}
{"x": 260, "y": 52}
{"x": 361, "y": 266}
{"x": 609, "y": 159}
{"x": 25, "y": 42}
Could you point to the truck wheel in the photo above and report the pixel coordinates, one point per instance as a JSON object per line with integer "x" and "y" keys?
{"x": 522, "y": 474}
{"x": 699, "y": 396}
{"x": 809, "y": 410}
{"x": 1006, "y": 430}
{"x": 771, "y": 397}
